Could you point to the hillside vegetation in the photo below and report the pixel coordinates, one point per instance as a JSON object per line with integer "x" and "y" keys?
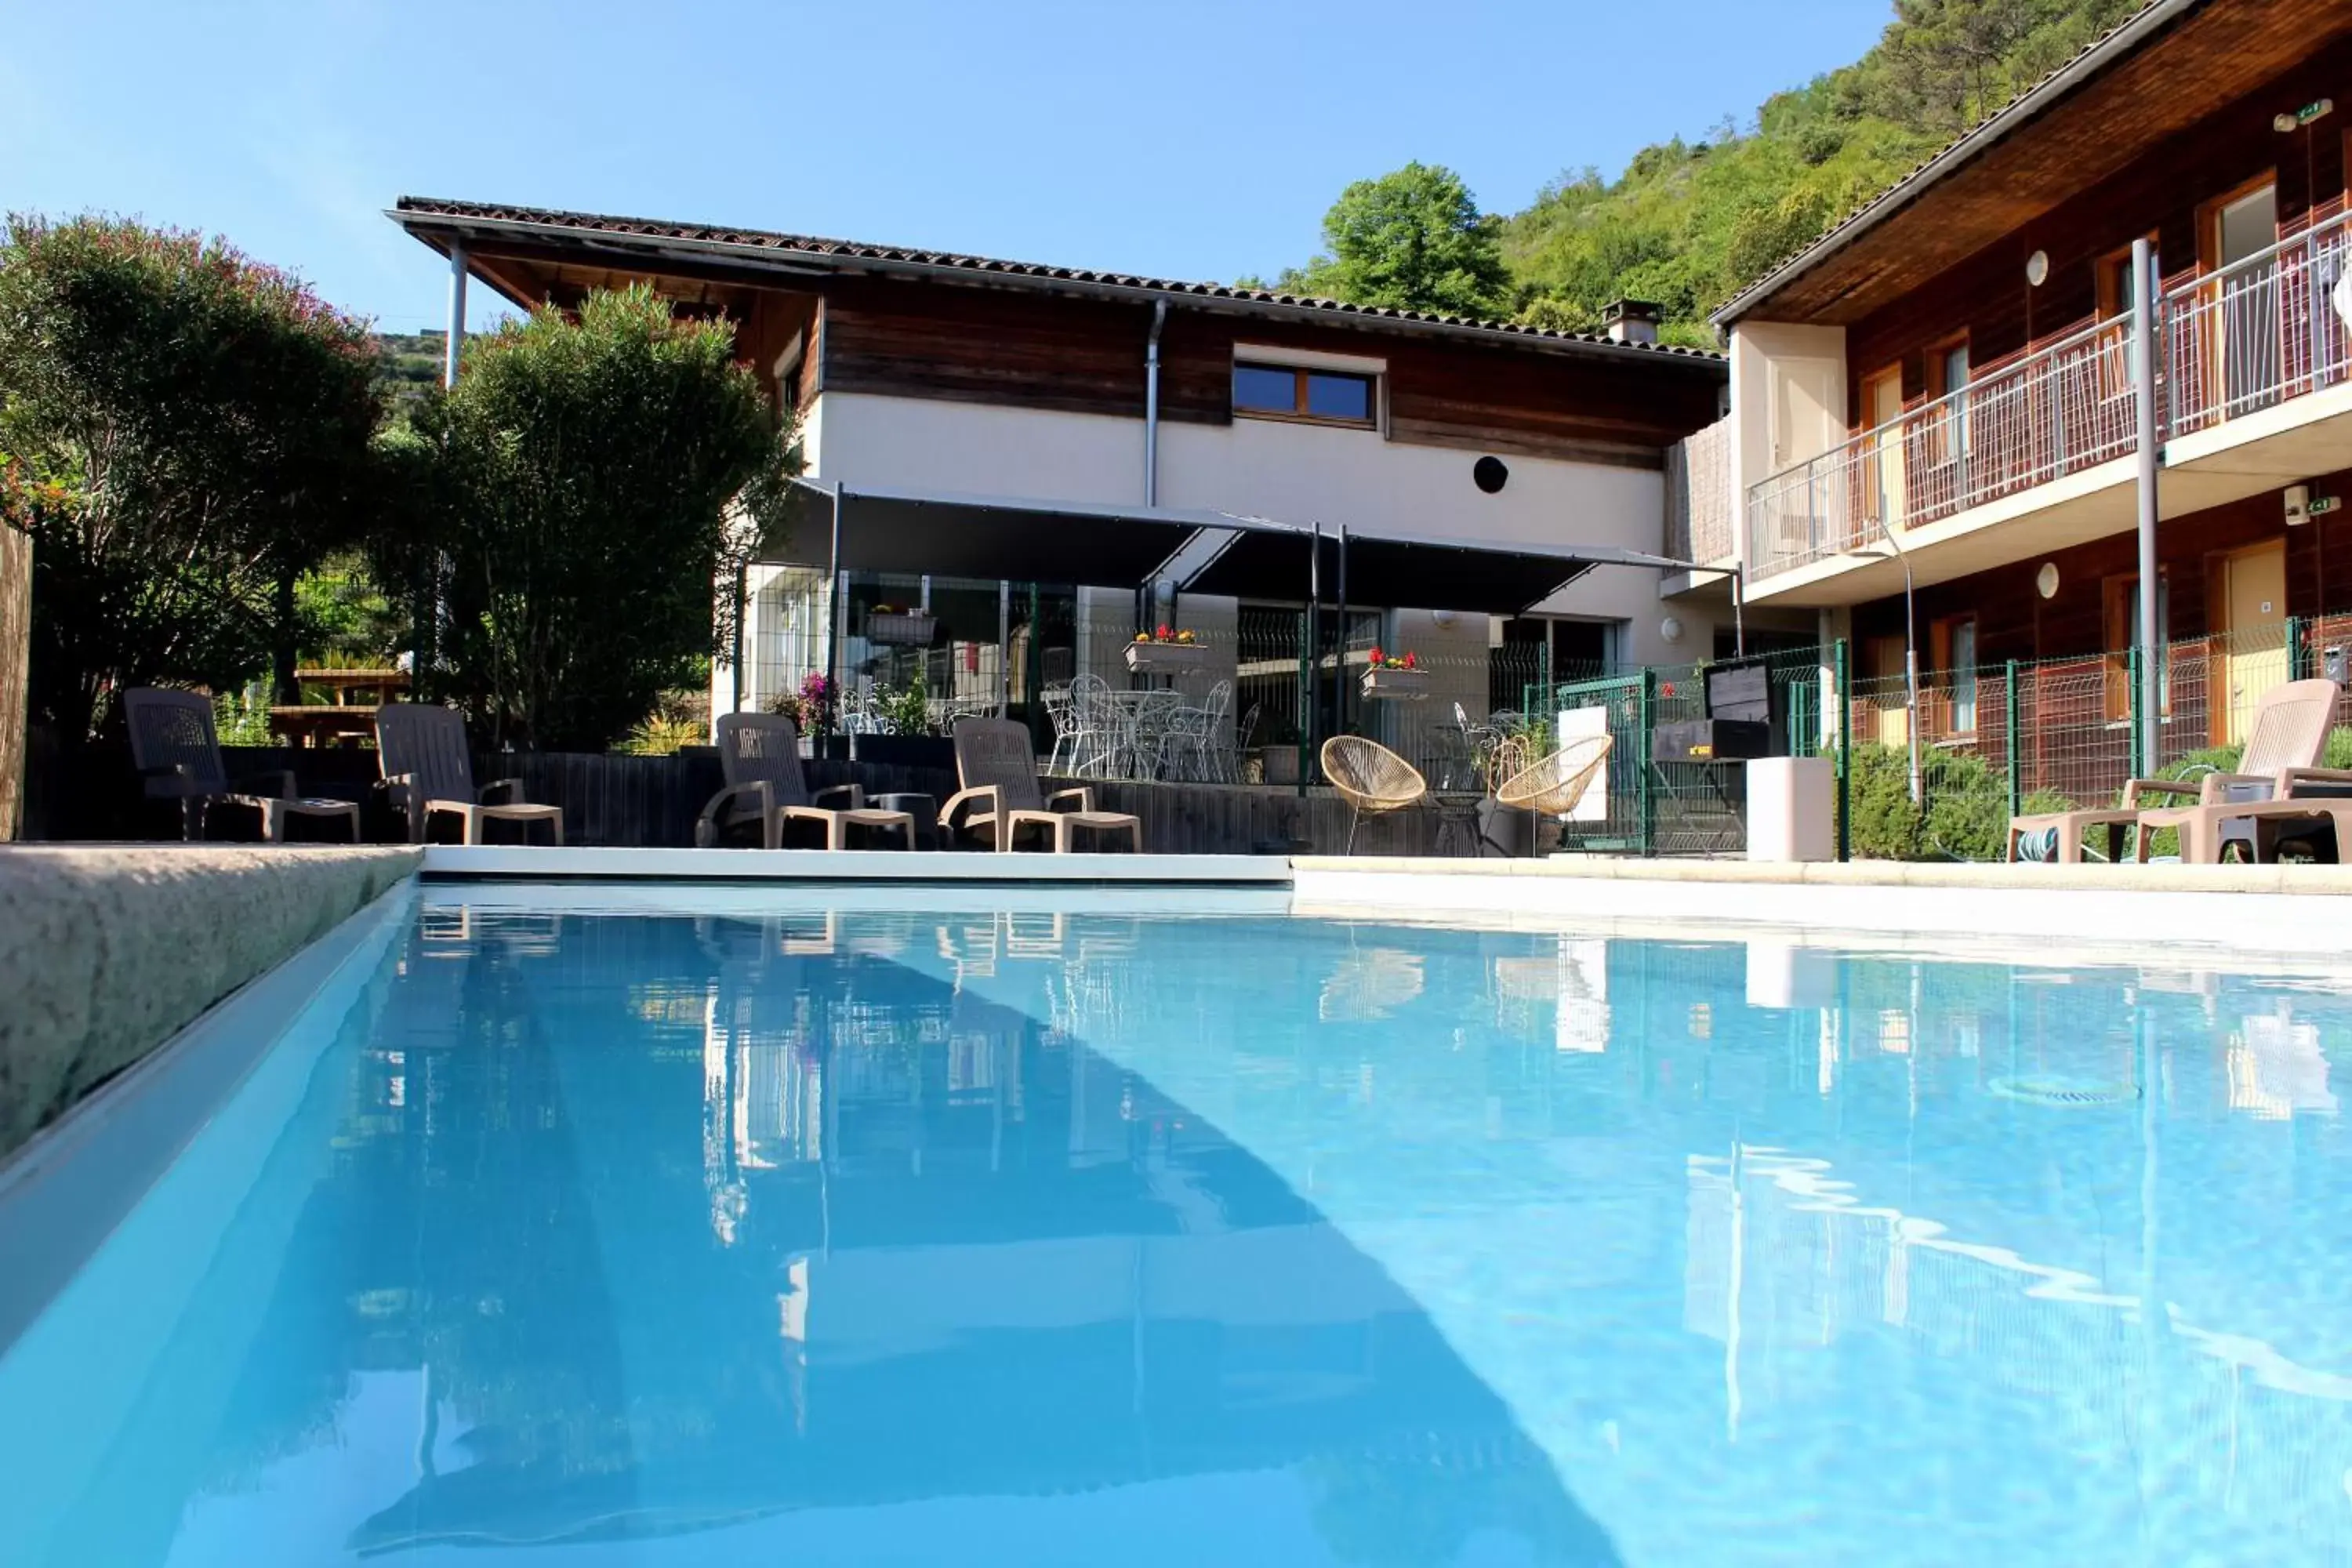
{"x": 1688, "y": 222}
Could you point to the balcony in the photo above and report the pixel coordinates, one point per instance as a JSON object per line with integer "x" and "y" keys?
{"x": 2034, "y": 454}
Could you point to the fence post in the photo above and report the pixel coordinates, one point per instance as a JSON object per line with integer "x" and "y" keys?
{"x": 1844, "y": 750}
{"x": 2138, "y": 752}
{"x": 1644, "y": 795}
{"x": 2016, "y": 774}
{"x": 1303, "y": 699}
{"x": 1543, "y": 673}
{"x": 2298, "y": 648}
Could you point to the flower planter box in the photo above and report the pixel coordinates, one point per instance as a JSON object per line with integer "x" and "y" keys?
{"x": 903, "y": 629}
{"x": 1166, "y": 657}
{"x": 904, "y": 750}
{"x": 1392, "y": 683}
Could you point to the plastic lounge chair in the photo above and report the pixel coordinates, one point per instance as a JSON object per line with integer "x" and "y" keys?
{"x": 2247, "y": 807}
{"x": 1372, "y": 779}
{"x": 762, "y": 755}
{"x": 1552, "y": 786}
{"x": 428, "y": 770}
{"x": 997, "y": 769}
{"x": 2290, "y": 732}
{"x": 177, "y": 752}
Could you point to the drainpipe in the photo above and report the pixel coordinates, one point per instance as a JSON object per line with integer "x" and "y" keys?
{"x": 1151, "y": 405}
{"x": 2143, "y": 261}
{"x": 457, "y": 341}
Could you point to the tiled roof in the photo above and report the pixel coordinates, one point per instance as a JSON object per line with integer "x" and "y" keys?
{"x": 410, "y": 209}
{"x": 2027, "y": 102}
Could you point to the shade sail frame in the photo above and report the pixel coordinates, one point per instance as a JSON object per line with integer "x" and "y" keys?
{"x": 1189, "y": 551}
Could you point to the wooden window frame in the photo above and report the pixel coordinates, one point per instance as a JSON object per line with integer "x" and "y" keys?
{"x": 1870, "y": 383}
{"x": 2119, "y": 593}
{"x": 2208, "y": 217}
{"x": 2111, "y": 266}
{"x": 1301, "y": 375}
{"x": 1939, "y": 648}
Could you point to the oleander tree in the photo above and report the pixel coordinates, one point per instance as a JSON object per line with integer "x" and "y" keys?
{"x": 578, "y": 505}
{"x": 184, "y": 433}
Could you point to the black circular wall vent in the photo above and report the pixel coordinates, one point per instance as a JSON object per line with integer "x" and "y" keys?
{"x": 1490, "y": 474}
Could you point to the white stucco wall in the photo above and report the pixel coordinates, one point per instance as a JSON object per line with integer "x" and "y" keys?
{"x": 1787, "y": 401}
{"x": 1297, "y": 473}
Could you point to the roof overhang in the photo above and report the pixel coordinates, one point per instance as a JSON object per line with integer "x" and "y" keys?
{"x": 642, "y": 245}
{"x": 2168, "y": 68}
{"x": 1001, "y": 537}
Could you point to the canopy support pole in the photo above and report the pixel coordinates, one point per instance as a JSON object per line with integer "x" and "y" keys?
{"x": 834, "y": 603}
{"x": 1340, "y": 674}
{"x": 1307, "y": 725}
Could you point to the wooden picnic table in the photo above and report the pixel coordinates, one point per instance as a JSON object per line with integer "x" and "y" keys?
{"x": 342, "y": 684}
{"x": 319, "y": 723}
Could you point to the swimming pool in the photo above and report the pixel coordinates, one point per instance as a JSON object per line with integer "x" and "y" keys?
{"x": 919, "y": 1226}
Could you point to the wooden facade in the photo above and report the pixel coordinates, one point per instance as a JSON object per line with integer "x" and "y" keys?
{"x": 967, "y": 331}
{"x": 1081, "y": 356}
{"x": 2163, "y": 96}
{"x": 2070, "y": 198}
{"x": 1985, "y": 302}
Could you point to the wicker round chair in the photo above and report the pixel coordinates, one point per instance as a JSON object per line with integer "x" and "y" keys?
{"x": 1553, "y": 786}
{"x": 1372, "y": 778}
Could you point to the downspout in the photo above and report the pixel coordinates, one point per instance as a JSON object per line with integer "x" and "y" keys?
{"x": 455, "y": 342}
{"x": 1151, "y": 405}
{"x": 1910, "y": 657}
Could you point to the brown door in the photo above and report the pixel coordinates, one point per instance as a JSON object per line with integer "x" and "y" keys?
{"x": 2253, "y": 634}
{"x": 1883, "y": 411}
{"x": 1890, "y": 692}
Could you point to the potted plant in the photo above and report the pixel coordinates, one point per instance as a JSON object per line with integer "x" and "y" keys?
{"x": 908, "y": 627}
{"x": 907, "y": 740}
{"x": 1166, "y": 650}
{"x": 1278, "y": 758}
{"x": 1394, "y": 678}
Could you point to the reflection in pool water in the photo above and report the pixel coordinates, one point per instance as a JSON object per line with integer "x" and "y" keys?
{"x": 907, "y": 1237}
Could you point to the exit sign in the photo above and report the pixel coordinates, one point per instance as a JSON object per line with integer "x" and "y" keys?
{"x": 2311, "y": 111}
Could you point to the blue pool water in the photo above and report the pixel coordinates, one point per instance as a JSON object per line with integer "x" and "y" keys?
{"x": 895, "y": 1235}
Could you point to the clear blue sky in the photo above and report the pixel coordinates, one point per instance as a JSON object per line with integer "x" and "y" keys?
{"x": 1195, "y": 142}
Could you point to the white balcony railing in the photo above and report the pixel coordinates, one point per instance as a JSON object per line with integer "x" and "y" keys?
{"x": 2232, "y": 342}
{"x": 2256, "y": 332}
{"x": 2054, "y": 412}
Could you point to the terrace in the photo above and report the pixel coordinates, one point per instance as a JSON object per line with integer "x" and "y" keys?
{"x": 2036, "y": 453}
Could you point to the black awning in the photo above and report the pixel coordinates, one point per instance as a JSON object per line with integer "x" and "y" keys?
{"x": 994, "y": 538}
{"x": 1001, "y": 537}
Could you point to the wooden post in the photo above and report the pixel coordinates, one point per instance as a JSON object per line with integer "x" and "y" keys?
{"x": 15, "y": 648}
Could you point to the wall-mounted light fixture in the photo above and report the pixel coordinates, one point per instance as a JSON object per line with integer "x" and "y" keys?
{"x": 2037, "y": 269}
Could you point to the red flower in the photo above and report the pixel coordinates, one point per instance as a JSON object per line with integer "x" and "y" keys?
{"x": 1164, "y": 634}
{"x": 1377, "y": 658}
{"x": 1412, "y": 660}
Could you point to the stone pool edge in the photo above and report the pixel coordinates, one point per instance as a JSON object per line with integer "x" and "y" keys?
{"x": 106, "y": 952}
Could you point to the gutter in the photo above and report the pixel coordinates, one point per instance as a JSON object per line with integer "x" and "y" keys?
{"x": 455, "y": 227}
{"x": 1989, "y": 132}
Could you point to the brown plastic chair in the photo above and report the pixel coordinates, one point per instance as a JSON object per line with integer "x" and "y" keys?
{"x": 2290, "y": 734}
{"x": 428, "y": 769}
{"x": 1372, "y": 779}
{"x": 177, "y": 752}
{"x": 997, "y": 767}
{"x": 762, "y": 755}
{"x": 2282, "y": 756}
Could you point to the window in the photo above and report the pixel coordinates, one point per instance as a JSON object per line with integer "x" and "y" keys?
{"x": 1955, "y": 650}
{"x": 1286, "y": 392}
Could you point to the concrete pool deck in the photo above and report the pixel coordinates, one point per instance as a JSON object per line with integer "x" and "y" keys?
{"x": 2269, "y": 909}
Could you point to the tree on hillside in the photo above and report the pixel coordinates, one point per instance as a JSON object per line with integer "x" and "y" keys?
{"x": 1412, "y": 240}
{"x": 183, "y": 432}
{"x": 572, "y": 502}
